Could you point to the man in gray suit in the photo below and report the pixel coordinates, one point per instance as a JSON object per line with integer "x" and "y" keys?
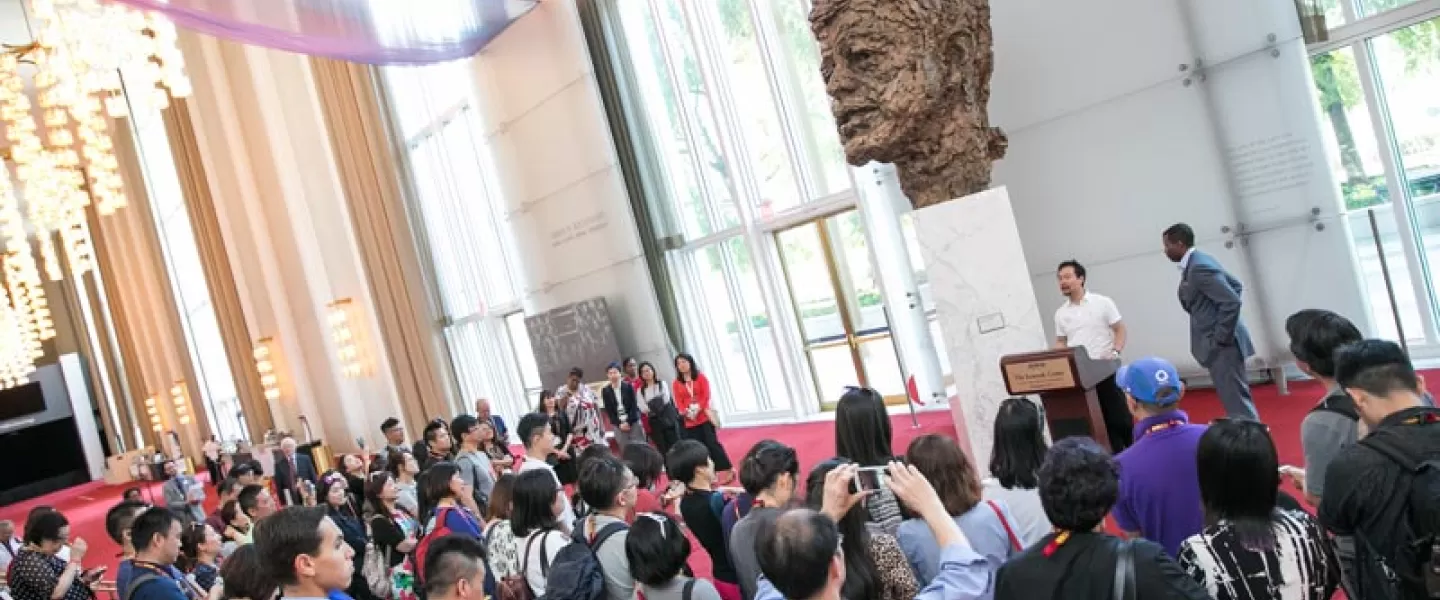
{"x": 1218, "y": 338}
{"x": 184, "y": 495}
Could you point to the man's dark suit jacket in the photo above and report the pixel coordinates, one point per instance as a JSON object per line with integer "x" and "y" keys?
{"x": 285, "y": 479}
{"x": 627, "y": 396}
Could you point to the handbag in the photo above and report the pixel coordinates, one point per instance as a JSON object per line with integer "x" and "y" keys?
{"x": 1014, "y": 541}
{"x": 1125, "y": 572}
{"x": 515, "y": 586}
{"x": 376, "y": 569}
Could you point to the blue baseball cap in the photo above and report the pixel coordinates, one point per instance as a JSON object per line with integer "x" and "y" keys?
{"x": 1150, "y": 380}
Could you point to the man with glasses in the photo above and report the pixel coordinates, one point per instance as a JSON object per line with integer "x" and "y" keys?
{"x": 608, "y": 486}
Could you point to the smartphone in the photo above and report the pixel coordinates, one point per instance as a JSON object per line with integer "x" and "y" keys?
{"x": 868, "y": 479}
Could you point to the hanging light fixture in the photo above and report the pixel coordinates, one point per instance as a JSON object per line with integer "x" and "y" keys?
{"x": 265, "y": 366}
{"x": 177, "y": 395}
{"x": 60, "y": 143}
{"x": 347, "y": 349}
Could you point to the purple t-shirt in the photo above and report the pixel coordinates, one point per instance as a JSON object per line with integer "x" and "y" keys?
{"x": 1159, "y": 486}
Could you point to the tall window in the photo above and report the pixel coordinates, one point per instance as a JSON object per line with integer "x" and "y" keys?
{"x": 187, "y": 281}
{"x": 1377, "y": 80}
{"x": 739, "y": 123}
{"x": 459, "y": 216}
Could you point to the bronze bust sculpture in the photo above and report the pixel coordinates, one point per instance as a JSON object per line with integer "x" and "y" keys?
{"x": 909, "y": 83}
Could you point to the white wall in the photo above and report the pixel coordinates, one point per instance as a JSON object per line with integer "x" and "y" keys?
{"x": 566, "y": 198}
{"x": 1109, "y": 146}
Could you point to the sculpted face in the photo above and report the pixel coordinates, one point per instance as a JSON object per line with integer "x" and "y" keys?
{"x": 867, "y": 70}
{"x": 909, "y": 83}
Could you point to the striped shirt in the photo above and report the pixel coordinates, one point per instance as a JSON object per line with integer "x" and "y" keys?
{"x": 1301, "y": 565}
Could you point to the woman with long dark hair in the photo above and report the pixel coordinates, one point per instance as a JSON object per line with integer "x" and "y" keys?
{"x": 1251, "y": 549}
{"x": 334, "y": 495}
{"x": 199, "y": 555}
{"x": 875, "y": 567}
{"x": 393, "y": 530}
{"x": 1015, "y": 467}
{"x": 563, "y": 460}
{"x": 664, "y": 418}
{"x": 985, "y": 523}
{"x": 863, "y": 435}
{"x": 691, "y": 391}
{"x": 534, "y": 517}
{"x": 501, "y": 549}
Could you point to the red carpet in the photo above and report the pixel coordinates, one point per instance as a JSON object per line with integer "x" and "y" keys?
{"x": 85, "y": 505}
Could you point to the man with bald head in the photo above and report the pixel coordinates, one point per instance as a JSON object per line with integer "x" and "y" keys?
{"x": 801, "y": 557}
{"x": 909, "y": 84}
{"x": 482, "y": 412}
{"x": 291, "y": 468}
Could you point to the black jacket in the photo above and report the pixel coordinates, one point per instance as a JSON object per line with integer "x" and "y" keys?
{"x": 627, "y": 396}
{"x": 1083, "y": 568}
{"x": 286, "y": 481}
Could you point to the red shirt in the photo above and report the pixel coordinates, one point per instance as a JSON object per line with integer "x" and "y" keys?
{"x": 695, "y": 392}
{"x": 646, "y": 501}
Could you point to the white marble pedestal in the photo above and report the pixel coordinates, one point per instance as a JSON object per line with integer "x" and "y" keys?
{"x": 985, "y": 305}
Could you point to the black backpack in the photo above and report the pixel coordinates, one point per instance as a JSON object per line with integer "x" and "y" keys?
{"x": 1341, "y": 404}
{"x": 576, "y": 573}
{"x": 1417, "y": 563}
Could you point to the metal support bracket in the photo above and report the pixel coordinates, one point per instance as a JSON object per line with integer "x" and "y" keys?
{"x": 1240, "y": 233}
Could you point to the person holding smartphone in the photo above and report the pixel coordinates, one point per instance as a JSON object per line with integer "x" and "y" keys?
{"x": 38, "y": 574}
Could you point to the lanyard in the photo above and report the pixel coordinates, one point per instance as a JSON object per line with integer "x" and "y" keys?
{"x": 1158, "y": 427}
{"x": 1428, "y": 418}
{"x": 1055, "y": 544}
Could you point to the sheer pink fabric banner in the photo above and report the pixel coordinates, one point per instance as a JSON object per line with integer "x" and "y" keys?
{"x": 381, "y": 32}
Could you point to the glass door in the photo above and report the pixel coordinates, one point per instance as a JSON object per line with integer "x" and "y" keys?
{"x": 843, "y": 320}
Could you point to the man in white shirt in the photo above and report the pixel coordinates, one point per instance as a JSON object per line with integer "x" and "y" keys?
{"x": 1092, "y": 321}
{"x": 539, "y": 441}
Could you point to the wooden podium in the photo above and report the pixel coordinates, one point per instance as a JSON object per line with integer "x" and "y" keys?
{"x": 1065, "y": 380}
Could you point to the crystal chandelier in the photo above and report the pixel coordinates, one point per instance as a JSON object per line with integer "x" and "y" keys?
{"x": 89, "y": 61}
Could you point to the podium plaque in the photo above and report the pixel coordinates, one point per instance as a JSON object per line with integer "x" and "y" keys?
{"x": 1065, "y": 381}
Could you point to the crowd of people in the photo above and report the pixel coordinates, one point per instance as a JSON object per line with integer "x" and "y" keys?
{"x": 613, "y": 485}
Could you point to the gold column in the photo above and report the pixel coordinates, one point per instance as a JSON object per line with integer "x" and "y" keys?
{"x": 147, "y": 320}
{"x": 370, "y": 176}
{"x": 215, "y": 261}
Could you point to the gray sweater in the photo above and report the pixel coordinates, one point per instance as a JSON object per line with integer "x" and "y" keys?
{"x": 742, "y": 547}
{"x": 475, "y": 469}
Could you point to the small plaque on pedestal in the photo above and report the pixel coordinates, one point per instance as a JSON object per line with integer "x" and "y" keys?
{"x": 1035, "y": 373}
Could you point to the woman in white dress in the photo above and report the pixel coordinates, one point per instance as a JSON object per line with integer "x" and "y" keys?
{"x": 583, "y": 408}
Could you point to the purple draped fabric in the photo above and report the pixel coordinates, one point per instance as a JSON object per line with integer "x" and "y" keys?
{"x": 382, "y": 32}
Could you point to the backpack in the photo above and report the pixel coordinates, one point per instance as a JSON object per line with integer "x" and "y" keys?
{"x": 1341, "y": 404}
{"x": 408, "y": 579}
{"x": 576, "y": 573}
{"x": 1416, "y": 564}
{"x": 135, "y": 584}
